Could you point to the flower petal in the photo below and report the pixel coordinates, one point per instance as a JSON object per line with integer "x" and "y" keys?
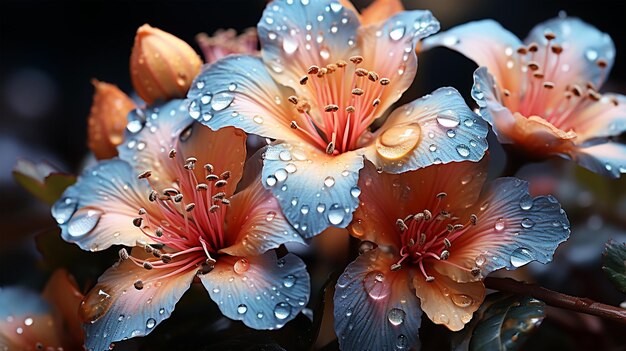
{"x": 437, "y": 128}
{"x": 608, "y": 159}
{"x": 152, "y": 133}
{"x": 583, "y": 45}
{"x": 314, "y": 190}
{"x": 388, "y": 48}
{"x": 448, "y": 302}
{"x": 295, "y": 35}
{"x": 386, "y": 197}
{"x": 380, "y": 10}
{"x": 375, "y": 308}
{"x": 62, "y": 292}
{"x": 512, "y": 229}
{"x": 486, "y": 43}
{"x": 238, "y": 91}
{"x": 600, "y": 119}
{"x": 115, "y": 310}
{"x": 255, "y": 223}
{"x": 270, "y": 293}
{"x": 98, "y": 210}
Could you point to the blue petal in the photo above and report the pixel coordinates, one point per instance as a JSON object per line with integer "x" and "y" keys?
{"x": 583, "y": 46}
{"x": 270, "y": 293}
{"x": 238, "y": 91}
{"x": 375, "y": 308}
{"x": 491, "y": 108}
{"x": 314, "y": 190}
{"x": 98, "y": 210}
{"x": 115, "y": 310}
{"x": 448, "y": 132}
{"x": 608, "y": 159}
{"x": 18, "y": 302}
{"x": 513, "y": 228}
{"x": 297, "y": 34}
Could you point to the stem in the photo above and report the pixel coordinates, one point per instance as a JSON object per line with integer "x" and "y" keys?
{"x": 557, "y": 299}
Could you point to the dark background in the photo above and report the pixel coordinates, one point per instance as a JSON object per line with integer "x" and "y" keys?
{"x": 50, "y": 50}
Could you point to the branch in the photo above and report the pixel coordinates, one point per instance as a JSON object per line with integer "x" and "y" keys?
{"x": 557, "y": 299}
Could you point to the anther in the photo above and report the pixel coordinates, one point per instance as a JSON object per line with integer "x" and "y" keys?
{"x": 178, "y": 198}
{"x": 361, "y": 72}
{"x": 408, "y": 218}
{"x": 422, "y": 239}
{"x": 190, "y": 207}
{"x": 549, "y": 35}
{"x": 473, "y": 218}
{"x": 153, "y": 195}
{"x": 373, "y": 76}
{"x": 357, "y": 91}
{"x": 427, "y": 215}
{"x": 475, "y": 271}
{"x": 384, "y": 81}
{"x": 225, "y": 201}
{"x": 411, "y": 242}
{"x": 330, "y": 148}
{"x": 458, "y": 226}
{"x": 157, "y": 253}
{"x": 147, "y": 265}
{"x": 172, "y": 153}
{"x": 533, "y": 47}
{"x": 313, "y": 70}
{"x": 144, "y": 175}
{"x": 225, "y": 175}
{"x": 331, "y": 67}
{"x": 376, "y": 102}
{"x": 137, "y": 221}
{"x": 548, "y": 85}
{"x": 594, "y": 95}
{"x": 303, "y": 107}
{"x": 341, "y": 63}
{"x": 322, "y": 72}
{"x": 430, "y": 278}
{"x": 212, "y": 177}
{"x": 142, "y": 211}
{"x": 445, "y": 254}
{"x": 214, "y": 208}
{"x": 170, "y": 191}
{"x": 123, "y": 254}
{"x": 219, "y": 196}
{"x": 356, "y": 59}
{"x": 522, "y": 50}
{"x": 293, "y": 125}
{"x": 401, "y": 225}
{"x": 602, "y": 63}
{"x": 576, "y": 90}
{"x": 556, "y": 49}
{"x": 533, "y": 65}
{"x": 148, "y": 249}
{"x": 538, "y": 74}
{"x": 331, "y": 108}
{"x": 447, "y": 243}
{"x": 441, "y": 195}
{"x": 303, "y": 80}
{"x": 138, "y": 285}
{"x": 201, "y": 186}
{"x": 614, "y": 100}
{"x": 191, "y": 160}
{"x": 506, "y": 92}
{"x": 449, "y": 227}
{"x": 293, "y": 99}
{"x": 208, "y": 167}
{"x": 350, "y": 109}
{"x": 396, "y": 266}
{"x": 158, "y": 232}
{"x": 418, "y": 217}
{"x": 220, "y": 183}
{"x": 166, "y": 258}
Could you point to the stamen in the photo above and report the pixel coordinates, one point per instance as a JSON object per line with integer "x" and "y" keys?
{"x": 144, "y": 175}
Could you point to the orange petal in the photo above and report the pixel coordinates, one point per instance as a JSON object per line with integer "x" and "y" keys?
{"x": 448, "y": 302}
{"x": 380, "y": 10}
{"x": 537, "y": 136}
{"x": 162, "y": 66}
{"x": 62, "y": 292}
{"x": 107, "y": 119}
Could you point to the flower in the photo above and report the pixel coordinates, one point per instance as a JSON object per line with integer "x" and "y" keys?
{"x": 30, "y": 321}
{"x": 107, "y": 119}
{"x": 170, "y": 197}
{"x": 227, "y": 42}
{"x": 542, "y": 95}
{"x": 437, "y": 237}
{"x": 161, "y": 65}
{"x": 322, "y": 81}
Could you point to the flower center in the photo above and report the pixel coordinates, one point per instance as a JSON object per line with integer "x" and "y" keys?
{"x": 346, "y": 97}
{"x": 190, "y": 227}
{"x": 429, "y": 235}
{"x": 542, "y": 95}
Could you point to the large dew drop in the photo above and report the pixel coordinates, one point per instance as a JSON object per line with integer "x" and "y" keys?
{"x": 290, "y": 45}
{"x": 83, "y": 221}
{"x": 375, "y": 285}
{"x": 241, "y": 266}
{"x": 448, "y": 119}
{"x": 63, "y": 210}
{"x": 398, "y": 141}
{"x": 335, "y": 214}
{"x": 520, "y": 257}
{"x": 397, "y": 32}
{"x": 282, "y": 310}
{"x": 95, "y": 305}
{"x": 396, "y": 316}
{"x": 461, "y": 300}
{"x": 222, "y": 101}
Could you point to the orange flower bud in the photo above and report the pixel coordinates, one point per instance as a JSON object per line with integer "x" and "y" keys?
{"x": 107, "y": 119}
{"x": 162, "y": 66}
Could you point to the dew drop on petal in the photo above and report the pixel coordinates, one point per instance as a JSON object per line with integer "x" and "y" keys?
{"x": 242, "y": 309}
{"x": 463, "y": 150}
{"x": 375, "y": 285}
{"x": 397, "y": 32}
{"x": 258, "y": 119}
{"x": 402, "y": 342}
{"x": 290, "y": 45}
{"x": 63, "y": 210}
{"x": 291, "y": 168}
{"x": 150, "y": 323}
{"x": 398, "y": 141}
{"x": 95, "y": 305}
{"x": 329, "y": 181}
{"x": 527, "y": 223}
{"x": 284, "y": 155}
{"x": 520, "y": 257}
{"x": 270, "y": 216}
{"x": 448, "y": 119}
{"x": 241, "y": 266}
{"x": 396, "y": 316}
{"x": 289, "y": 281}
{"x": 271, "y": 180}
{"x": 282, "y": 310}
{"x": 500, "y": 224}
{"x": 355, "y": 192}
{"x": 222, "y": 101}
{"x": 461, "y": 300}
{"x": 335, "y": 214}
{"x": 480, "y": 260}
{"x": 83, "y": 221}
{"x": 281, "y": 175}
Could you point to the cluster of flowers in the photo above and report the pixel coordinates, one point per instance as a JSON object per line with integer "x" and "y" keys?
{"x": 172, "y": 182}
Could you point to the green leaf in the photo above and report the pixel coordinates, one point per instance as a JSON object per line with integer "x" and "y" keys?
{"x": 42, "y": 180}
{"x": 614, "y": 264}
{"x": 503, "y": 322}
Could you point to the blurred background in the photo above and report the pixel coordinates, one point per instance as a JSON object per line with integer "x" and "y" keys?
{"x": 50, "y": 50}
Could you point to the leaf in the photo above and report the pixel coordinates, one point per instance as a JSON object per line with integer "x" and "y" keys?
{"x": 42, "y": 179}
{"x": 614, "y": 264}
{"x": 503, "y": 322}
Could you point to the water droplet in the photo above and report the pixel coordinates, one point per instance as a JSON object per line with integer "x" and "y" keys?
{"x": 591, "y": 55}
{"x": 259, "y": 315}
{"x": 450, "y": 40}
{"x": 451, "y": 133}
{"x": 329, "y": 182}
{"x": 461, "y": 300}
{"x": 500, "y": 224}
{"x": 299, "y": 154}
{"x": 194, "y": 110}
{"x": 448, "y": 119}
{"x": 398, "y": 141}
{"x": 520, "y": 257}
{"x": 375, "y": 285}
{"x": 161, "y": 311}
{"x": 282, "y": 310}
{"x": 241, "y": 309}
{"x": 28, "y": 321}
{"x": 335, "y": 6}
{"x": 397, "y": 32}
{"x": 206, "y": 99}
{"x": 271, "y": 180}
{"x": 290, "y": 45}
{"x": 321, "y": 207}
{"x": 135, "y": 333}
{"x": 291, "y": 168}
{"x": 222, "y": 101}
{"x": 83, "y": 221}
{"x": 232, "y": 87}
{"x": 441, "y": 318}
{"x": 63, "y": 210}
{"x": 280, "y": 174}
{"x": 241, "y": 266}
{"x": 527, "y": 223}
{"x": 120, "y": 318}
{"x": 95, "y": 305}
{"x": 396, "y": 316}
{"x": 289, "y": 281}
{"x": 272, "y": 35}
{"x": 480, "y": 260}
{"x": 270, "y": 216}
{"x": 324, "y": 53}
{"x": 285, "y": 155}
{"x": 135, "y": 126}
{"x": 200, "y": 84}
{"x": 402, "y": 342}
{"x": 150, "y": 323}
{"x": 258, "y": 119}
{"x": 355, "y": 192}
{"x": 335, "y": 214}
{"x": 463, "y": 150}
{"x": 304, "y": 209}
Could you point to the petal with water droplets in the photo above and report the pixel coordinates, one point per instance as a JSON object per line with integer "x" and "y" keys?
{"x": 608, "y": 159}
{"x": 314, "y": 190}
{"x": 375, "y": 306}
{"x": 265, "y": 294}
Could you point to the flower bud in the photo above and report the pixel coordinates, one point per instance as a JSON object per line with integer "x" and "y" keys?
{"x": 107, "y": 119}
{"x": 162, "y": 66}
